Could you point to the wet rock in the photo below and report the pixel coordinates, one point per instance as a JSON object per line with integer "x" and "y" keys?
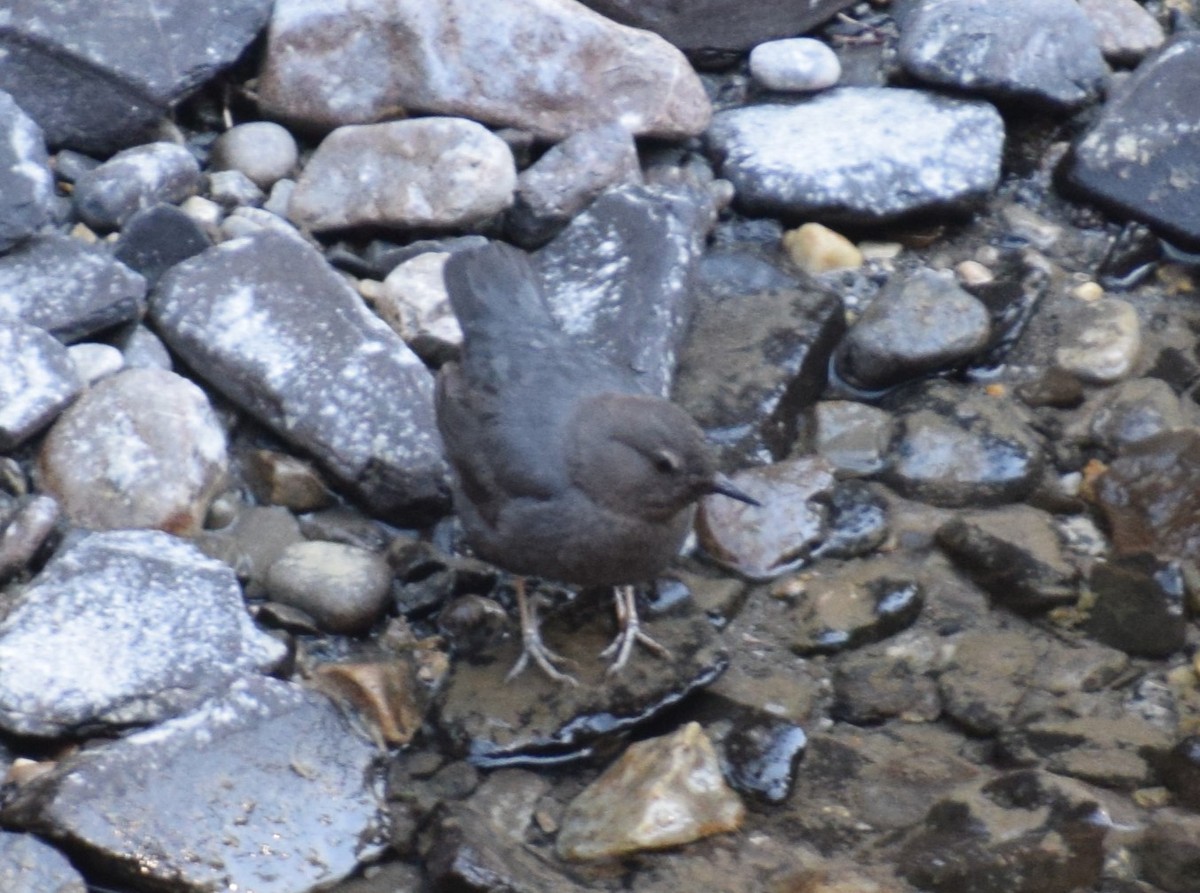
{"x": 456, "y": 173}
{"x": 567, "y": 178}
{"x": 799, "y": 64}
{"x": 280, "y": 479}
{"x": 124, "y": 628}
{"x": 26, "y": 182}
{"x": 766, "y": 860}
{"x": 262, "y": 150}
{"x": 760, "y": 757}
{"x": 760, "y": 542}
{"x": 1125, "y": 30}
{"x": 858, "y": 521}
{"x": 155, "y": 239}
{"x": 986, "y": 677}
{"x": 386, "y": 693}
{"x": 1138, "y": 605}
{"x": 1147, "y": 496}
{"x": 1024, "y": 832}
{"x": 1015, "y": 553}
{"x": 1136, "y": 410}
{"x": 29, "y": 866}
{"x": 264, "y": 762}
{"x": 756, "y": 355}
{"x": 1181, "y": 772}
{"x": 1034, "y": 51}
{"x": 1101, "y": 341}
{"x": 872, "y": 685}
{"x": 849, "y": 606}
{"x": 831, "y": 159}
{"x": 1121, "y": 752}
{"x": 25, "y": 532}
{"x": 1132, "y": 161}
{"x": 308, "y": 360}
{"x": 455, "y": 60}
{"x": 138, "y": 178}
{"x": 1169, "y": 852}
{"x": 1054, "y": 387}
{"x": 662, "y": 792}
{"x": 99, "y": 83}
{"x": 391, "y": 877}
{"x": 253, "y": 541}
{"x": 957, "y": 445}
{"x": 817, "y": 249}
{"x": 852, "y": 437}
{"x": 617, "y": 278}
{"x": 915, "y": 325}
{"x": 68, "y": 288}
{"x": 142, "y": 448}
{"x": 37, "y": 380}
{"x": 343, "y": 588}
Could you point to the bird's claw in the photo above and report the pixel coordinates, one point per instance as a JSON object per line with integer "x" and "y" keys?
{"x": 535, "y": 649}
{"x": 630, "y": 634}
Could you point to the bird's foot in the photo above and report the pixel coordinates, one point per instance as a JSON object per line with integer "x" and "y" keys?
{"x": 532, "y": 646}
{"x": 630, "y": 633}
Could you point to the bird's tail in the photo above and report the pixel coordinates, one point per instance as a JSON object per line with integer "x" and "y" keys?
{"x": 495, "y": 293}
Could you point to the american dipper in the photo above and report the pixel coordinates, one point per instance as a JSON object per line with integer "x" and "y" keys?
{"x": 564, "y": 468}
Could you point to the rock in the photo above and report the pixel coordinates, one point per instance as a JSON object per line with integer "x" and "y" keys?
{"x": 1181, "y": 772}
{"x": 100, "y": 83}
{"x": 138, "y": 178}
{"x": 750, "y": 399}
{"x": 662, "y": 792}
{"x": 859, "y": 521}
{"x": 618, "y": 277}
{"x": 1169, "y": 853}
{"x": 798, "y": 64}
{"x": 761, "y": 542}
{"x": 37, "y": 381}
{"x": 875, "y": 684}
{"x": 455, "y": 173}
{"x": 124, "y": 628}
{"x": 29, "y": 866}
{"x": 144, "y": 350}
{"x": 760, "y": 756}
{"x": 817, "y": 249}
{"x": 1132, "y": 161}
{"x": 986, "y": 677}
{"x": 25, "y": 532}
{"x": 852, "y": 437}
{"x": 915, "y": 325}
{"x": 343, "y": 588}
{"x": 253, "y": 541}
{"x": 568, "y": 178}
{"x": 1136, "y": 410}
{"x": 1101, "y": 341}
{"x": 94, "y": 361}
{"x": 1125, "y": 30}
{"x": 68, "y": 288}
{"x": 155, "y": 239}
{"x": 859, "y": 155}
{"x": 280, "y": 479}
{"x": 233, "y": 189}
{"x": 1034, "y": 51}
{"x": 1139, "y": 605}
{"x": 262, "y": 762}
{"x": 1015, "y": 553}
{"x": 26, "y": 181}
{"x": 142, "y": 448}
{"x": 262, "y": 150}
{"x": 413, "y": 301}
{"x": 453, "y": 59}
{"x": 309, "y": 361}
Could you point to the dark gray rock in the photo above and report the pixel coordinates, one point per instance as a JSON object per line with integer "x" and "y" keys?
{"x": 25, "y": 532}
{"x": 1031, "y": 51}
{"x": 1181, "y": 772}
{"x": 155, "y": 239}
{"x": 870, "y": 686}
{"x": 138, "y": 178}
{"x": 1137, "y": 159}
{"x": 37, "y": 380}
{"x": 27, "y": 865}
{"x": 618, "y": 278}
{"x": 124, "y": 628}
{"x": 760, "y": 755}
{"x": 100, "y": 83}
{"x": 1137, "y": 410}
{"x": 26, "y": 182}
{"x": 1170, "y": 852}
{"x": 265, "y": 320}
{"x": 1139, "y": 605}
{"x": 280, "y": 796}
{"x": 859, "y": 154}
{"x": 987, "y": 675}
{"x": 68, "y": 288}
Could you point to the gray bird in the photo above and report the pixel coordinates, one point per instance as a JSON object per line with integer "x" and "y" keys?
{"x": 564, "y": 468}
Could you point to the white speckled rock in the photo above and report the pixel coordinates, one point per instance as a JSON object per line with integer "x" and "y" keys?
{"x": 106, "y": 196}
{"x": 37, "y": 380}
{"x": 26, "y": 182}
{"x": 800, "y": 64}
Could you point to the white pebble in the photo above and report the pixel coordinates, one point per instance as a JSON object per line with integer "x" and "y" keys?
{"x": 799, "y": 64}
{"x": 95, "y": 361}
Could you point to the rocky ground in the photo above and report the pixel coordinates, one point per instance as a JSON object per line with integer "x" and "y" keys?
{"x": 926, "y": 279}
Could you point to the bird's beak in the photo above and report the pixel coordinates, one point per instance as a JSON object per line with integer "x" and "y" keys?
{"x": 724, "y": 486}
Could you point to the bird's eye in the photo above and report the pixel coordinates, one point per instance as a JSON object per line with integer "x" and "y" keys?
{"x": 666, "y": 462}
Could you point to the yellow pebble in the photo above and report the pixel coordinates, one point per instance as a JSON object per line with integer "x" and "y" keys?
{"x": 818, "y": 249}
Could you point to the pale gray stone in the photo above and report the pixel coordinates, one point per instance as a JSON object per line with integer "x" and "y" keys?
{"x": 262, "y": 150}
{"x": 37, "y": 381}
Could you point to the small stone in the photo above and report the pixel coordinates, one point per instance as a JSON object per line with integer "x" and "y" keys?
{"x": 414, "y": 303}
{"x": 662, "y": 792}
{"x": 343, "y": 588}
{"x": 27, "y": 865}
{"x": 233, "y": 189}
{"x": 25, "y": 533}
{"x": 817, "y": 249}
{"x": 155, "y": 239}
{"x": 94, "y": 361}
{"x": 1181, "y": 771}
{"x": 135, "y": 179}
{"x": 280, "y": 479}
{"x": 37, "y": 381}
{"x": 1088, "y": 291}
{"x": 1138, "y": 606}
{"x": 853, "y": 437}
{"x": 144, "y": 350}
{"x": 972, "y": 273}
{"x": 203, "y": 211}
{"x": 262, "y": 150}
{"x": 1136, "y": 410}
{"x": 26, "y": 181}
{"x": 1101, "y": 341}
{"x": 1125, "y": 30}
{"x": 762, "y": 754}
{"x": 799, "y": 64}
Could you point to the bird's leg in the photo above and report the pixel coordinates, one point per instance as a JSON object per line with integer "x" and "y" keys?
{"x": 532, "y": 645}
{"x": 630, "y": 631}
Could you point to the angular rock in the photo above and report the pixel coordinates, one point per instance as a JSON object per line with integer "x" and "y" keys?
{"x": 68, "y": 288}
{"x": 662, "y": 792}
{"x": 1137, "y": 410}
{"x": 455, "y": 172}
{"x": 233, "y": 189}
{"x": 1139, "y": 605}
{"x": 618, "y": 277}
{"x": 859, "y": 155}
{"x": 26, "y": 181}
{"x": 413, "y": 301}
{"x": 268, "y": 322}
{"x": 852, "y": 437}
{"x": 1125, "y": 30}
{"x": 987, "y": 676}
{"x": 1033, "y": 51}
{"x": 872, "y": 685}
{"x": 25, "y": 532}
{"x": 124, "y": 628}
{"x": 37, "y": 380}
{"x": 280, "y": 479}
{"x": 1100, "y": 341}
{"x": 756, "y": 356}
{"x": 29, "y": 866}
{"x": 264, "y": 763}
{"x": 817, "y": 249}
{"x": 155, "y": 239}
{"x": 346, "y": 62}
{"x": 99, "y": 83}
{"x": 142, "y": 448}
{"x": 138, "y": 178}
{"x": 386, "y": 693}
{"x": 1135, "y": 160}
{"x": 343, "y": 588}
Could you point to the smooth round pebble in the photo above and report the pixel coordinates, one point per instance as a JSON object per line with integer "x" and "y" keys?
{"x": 343, "y": 588}
{"x": 95, "y": 361}
{"x": 799, "y": 64}
{"x": 262, "y": 150}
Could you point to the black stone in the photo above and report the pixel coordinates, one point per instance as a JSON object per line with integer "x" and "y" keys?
{"x": 154, "y": 240}
{"x": 1139, "y": 605}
